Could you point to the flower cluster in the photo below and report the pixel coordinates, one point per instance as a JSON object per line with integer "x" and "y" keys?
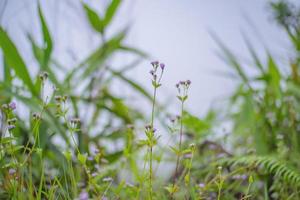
{"x": 9, "y": 107}
{"x": 43, "y": 76}
{"x": 60, "y": 102}
{"x": 36, "y": 116}
{"x": 156, "y": 74}
{"x": 182, "y": 87}
{"x": 74, "y": 123}
{"x": 11, "y": 123}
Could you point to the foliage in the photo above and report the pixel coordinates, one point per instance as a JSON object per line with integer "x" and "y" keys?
{"x": 101, "y": 153}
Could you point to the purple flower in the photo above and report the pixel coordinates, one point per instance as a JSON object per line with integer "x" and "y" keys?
{"x": 11, "y": 171}
{"x": 154, "y": 63}
{"x": 10, "y": 127}
{"x": 83, "y": 195}
{"x": 201, "y": 185}
{"x": 162, "y": 66}
{"x": 13, "y": 105}
{"x": 188, "y": 82}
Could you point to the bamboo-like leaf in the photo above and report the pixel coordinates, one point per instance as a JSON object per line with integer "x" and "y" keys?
{"x": 46, "y": 36}
{"x": 110, "y": 12}
{"x": 133, "y": 84}
{"x": 15, "y": 61}
{"x": 94, "y": 19}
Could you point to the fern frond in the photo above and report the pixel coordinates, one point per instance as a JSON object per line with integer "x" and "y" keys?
{"x": 267, "y": 164}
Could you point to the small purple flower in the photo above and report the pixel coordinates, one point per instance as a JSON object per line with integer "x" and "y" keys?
{"x": 201, "y": 185}
{"x": 11, "y": 171}
{"x": 188, "y": 82}
{"x": 83, "y": 195}
{"x": 12, "y": 105}
{"x": 162, "y": 66}
{"x": 154, "y": 63}
{"x": 10, "y": 127}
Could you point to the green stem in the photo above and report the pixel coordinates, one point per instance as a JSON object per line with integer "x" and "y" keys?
{"x": 180, "y": 144}
{"x": 151, "y": 147}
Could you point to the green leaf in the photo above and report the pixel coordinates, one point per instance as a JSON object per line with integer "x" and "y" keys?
{"x": 15, "y": 61}
{"x": 82, "y": 158}
{"x": 46, "y": 36}
{"x": 110, "y": 12}
{"x": 94, "y": 19}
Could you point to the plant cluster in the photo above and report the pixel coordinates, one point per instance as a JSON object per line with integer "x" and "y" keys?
{"x": 87, "y": 142}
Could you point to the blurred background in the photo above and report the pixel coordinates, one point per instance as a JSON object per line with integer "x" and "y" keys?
{"x": 178, "y": 33}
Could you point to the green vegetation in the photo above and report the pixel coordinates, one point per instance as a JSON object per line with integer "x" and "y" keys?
{"x": 87, "y": 142}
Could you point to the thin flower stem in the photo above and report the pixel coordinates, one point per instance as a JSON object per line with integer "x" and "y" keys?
{"x": 180, "y": 144}
{"x": 151, "y": 148}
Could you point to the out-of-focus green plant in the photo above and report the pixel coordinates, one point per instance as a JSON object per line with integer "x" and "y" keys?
{"x": 94, "y": 95}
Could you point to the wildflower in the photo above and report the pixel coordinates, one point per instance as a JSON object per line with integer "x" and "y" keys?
{"x": 43, "y": 76}
{"x": 162, "y": 66}
{"x": 154, "y": 63}
{"x": 149, "y": 128}
{"x": 75, "y": 121}
{"x": 94, "y": 174}
{"x": 83, "y": 195}
{"x": 36, "y": 116}
{"x": 201, "y": 185}
{"x": 11, "y": 171}
{"x": 10, "y": 127}
{"x": 12, "y": 105}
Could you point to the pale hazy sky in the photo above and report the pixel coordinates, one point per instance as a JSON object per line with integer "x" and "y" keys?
{"x": 173, "y": 31}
